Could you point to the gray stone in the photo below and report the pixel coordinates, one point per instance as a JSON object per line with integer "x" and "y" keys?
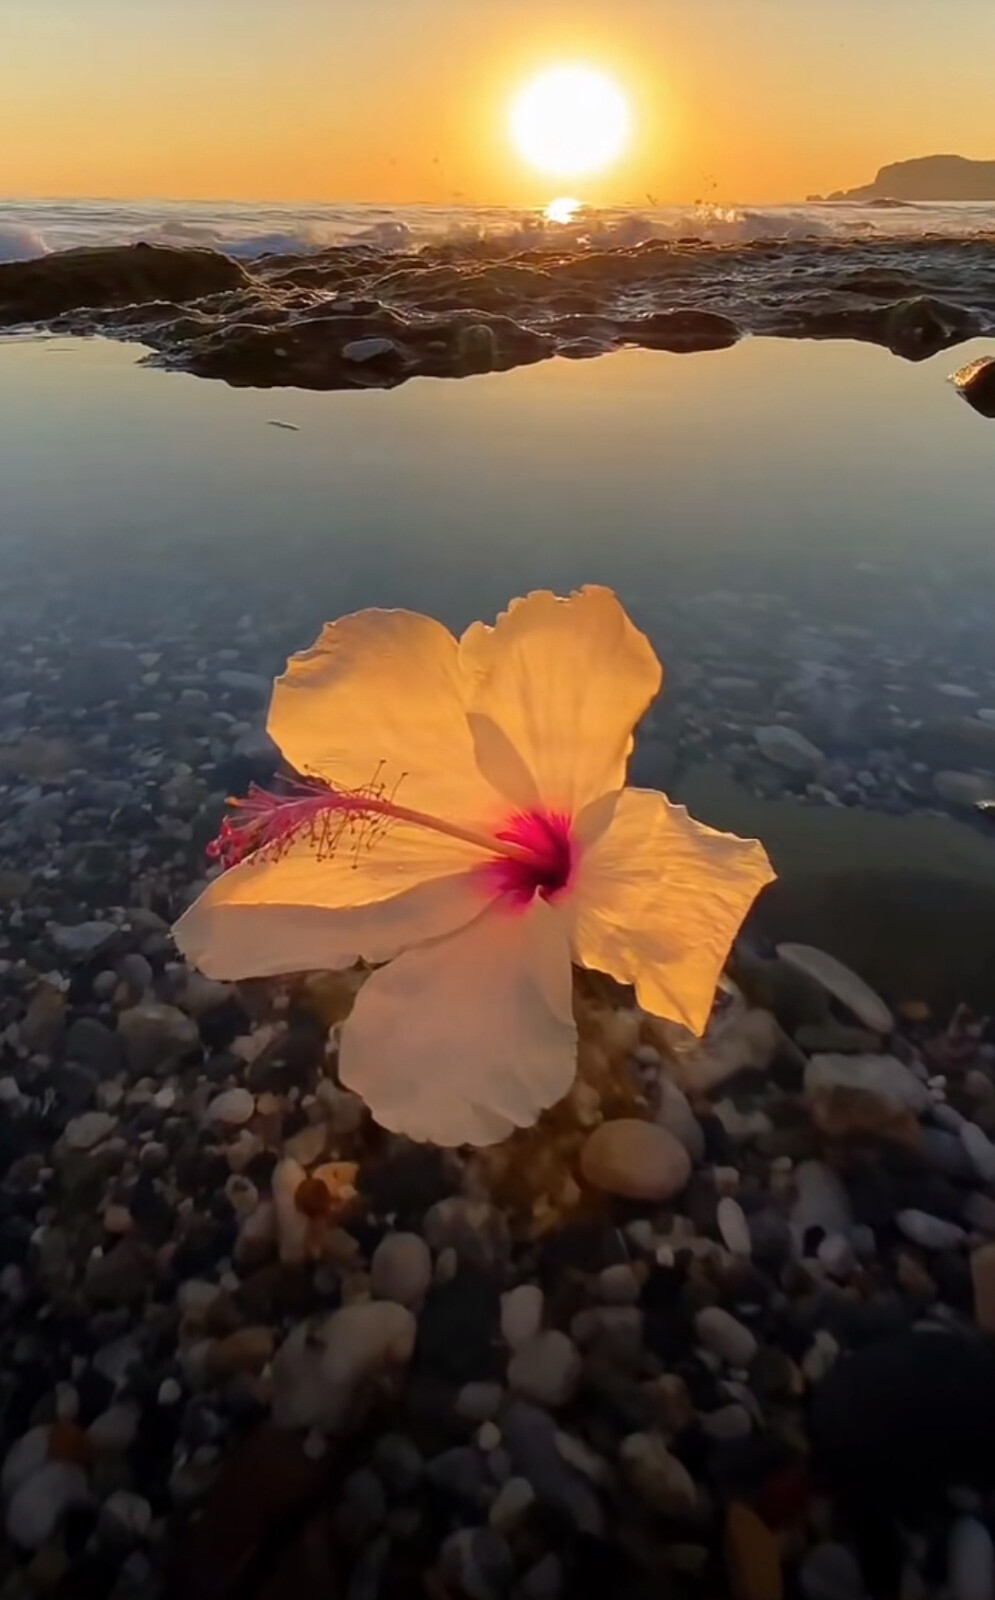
{"x": 157, "y": 1037}
{"x": 530, "y": 1439}
{"x": 84, "y": 939}
{"x": 546, "y": 1369}
{"x": 521, "y": 1314}
{"x": 786, "y": 747}
{"x": 932, "y": 1233}
{"x": 478, "y": 1562}
{"x": 401, "y": 1269}
{"x": 723, "y": 1334}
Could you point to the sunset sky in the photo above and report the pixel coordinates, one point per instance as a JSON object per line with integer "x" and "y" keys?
{"x": 406, "y": 100}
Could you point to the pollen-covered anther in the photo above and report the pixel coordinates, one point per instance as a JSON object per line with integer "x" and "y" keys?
{"x": 266, "y": 824}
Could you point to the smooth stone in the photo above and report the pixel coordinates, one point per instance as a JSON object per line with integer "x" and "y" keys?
{"x": 983, "y": 1282}
{"x": 971, "y": 1561}
{"x": 636, "y": 1160}
{"x": 546, "y": 1369}
{"x": 362, "y": 350}
{"x": 618, "y": 1285}
{"x": 521, "y": 1314}
{"x": 822, "y": 1201}
{"x": 831, "y": 1572}
{"x": 544, "y": 1581}
{"x": 24, "y": 1457}
{"x": 753, "y": 1557}
{"x": 476, "y": 1561}
{"x": 842, "y": 983}
{"x": 38, "y": 1505}
{"x": 156, "y": 1037}
{"x": 885, "y": 1076}
{"x": 85, "y": 1131}
{"x": 115, "y": 1430}
{"x": 947, "y": 1152}
{"x": 475, "y": 1229}
{"x": 479, "y": 1402}
{"x": 84, "y": 939}
{"x": 125, "y": 1515}
{"x": 514, "y": 1498}
{"x": 720, "y": 1332}
{"x": 932, "y": 1233}
{"x": 530, "y": 1439}
{"x": 658, "y": 1477}
{"x": 318, "y": 1371}
{"x": 788, "y": 748}
{"x": 251, "y": 682}
{"x": 291, "y": 1224}
{"x": 978, "y": 1211}
{"x": 401, "y": 1269}
{"x": 728, "y": 1422}
{"x": 674, "y": 1113}
{"x": 980, "y": 1150}
{"x": 733, "y": 1227}
{"x": 232, "y": 1108}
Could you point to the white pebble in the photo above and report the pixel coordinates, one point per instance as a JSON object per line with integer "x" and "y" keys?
{"x": 401, "y": 1269}
{"x": 733, "y": 1227}
{"x": 521, "y": 1314}
{"x": 488, "y": 1437}
{"x": 837, "y": 1255}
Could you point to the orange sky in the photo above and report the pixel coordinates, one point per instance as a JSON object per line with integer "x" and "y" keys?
{"x": 406, "y": 100}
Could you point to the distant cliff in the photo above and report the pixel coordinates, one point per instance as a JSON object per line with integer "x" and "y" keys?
{"x": 926, "y": 178}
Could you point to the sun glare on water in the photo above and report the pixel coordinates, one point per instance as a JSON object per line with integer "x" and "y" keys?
{"x": 569, "y": 121}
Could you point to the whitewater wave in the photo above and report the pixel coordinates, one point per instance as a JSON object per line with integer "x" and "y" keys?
{"x": 29, "y": 230}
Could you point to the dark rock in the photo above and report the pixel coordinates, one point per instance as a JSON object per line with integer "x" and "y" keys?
{"x": 976, "y": 382}
{"x": 34, "y": 291}
{"x": 459, "y": 1327}
{"x": 92, "y": 1044}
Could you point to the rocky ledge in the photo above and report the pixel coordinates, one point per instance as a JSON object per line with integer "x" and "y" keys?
{"x": 357, "y": 316}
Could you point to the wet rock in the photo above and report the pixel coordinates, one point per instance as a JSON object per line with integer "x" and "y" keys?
{"x": 976, "y": 382}
{"x": 530, "y": 1437}
{"x": 83, "y": 939}
{"x": 932, "y": 1233}
{"x": 231, "y": 1108}
{"x": 121, "y": 275}
{"x": 638, "y": 1160}
{"x": 88, "y": 1130}
{"x": 121, "y": 1276}
{"x": 674, "y": 1113}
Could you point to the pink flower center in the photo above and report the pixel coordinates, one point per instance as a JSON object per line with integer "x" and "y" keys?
{"x": 547, "y": 867}
{"x": 534, "y": 854}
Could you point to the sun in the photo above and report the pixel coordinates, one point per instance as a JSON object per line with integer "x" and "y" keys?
{"x": 569, "y": 121}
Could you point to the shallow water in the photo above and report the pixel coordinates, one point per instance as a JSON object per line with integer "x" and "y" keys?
{"x": 825, "y": 470}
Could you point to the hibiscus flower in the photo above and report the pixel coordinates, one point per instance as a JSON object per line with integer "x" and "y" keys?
{"x": 462, "y": 824}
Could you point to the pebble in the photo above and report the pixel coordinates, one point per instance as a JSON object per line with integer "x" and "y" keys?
{"x": 885, "y": 1076}
{"x": 488, "y": 1437}
{"x": 125, "y": 1515}
{"x": 733, "y": 1228}
{"x": 657, "y": 1476}
{"x": 618, "y": 1285}
{"x": 753, "y": 1560}
{"x": 971, "y": 1561}
{"x": 84, "y": 939}
{"x": 530, "y": 1438}
{"x": 674, "y": 1113}
{"x": 788, "y": 748}
{"x": 728, "y": 1422}
{"x": 843, "y": 984}
{"x": 544, "y": 1581}
{"x": 719, "y": 1331}
{"x": 157, "y": 1037}
{"x": 479, "y": 1402}
{"x": 24, "y": 1457}
{"x": 169, "y": 1392}
{"x": 932, "y": 1233}
{"x": 476, "y": 1561}
{"x": 318, "y": 1371}
{"x": 114, "y": 1431}
{"x": 86, "y": 1131}
{"x": 546, "y": 1369}
{"x": 521, "y": 1314}
{"x": 513, "y": 1500}
{"x": 231, "y": 1108}
{"x": 983, "y": 1282}
{"x": 372, "y": 349}
{"x": 831, "y": 1572}
{"x": 401, "y": 1269}
{"x": 38, "y": 1505}
{"x": 980, "y": 1150}
{"x": 637, "y": 1160}
{"x": 291, "y": 1224}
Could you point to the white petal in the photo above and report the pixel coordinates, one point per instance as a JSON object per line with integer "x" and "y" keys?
{"x": 560, "y": 684}
{"x": 459, "y": 1041}
{"x": 380, "y": 698}
{"x": 296, "y": 913}
{"x": 658, "y": 900}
